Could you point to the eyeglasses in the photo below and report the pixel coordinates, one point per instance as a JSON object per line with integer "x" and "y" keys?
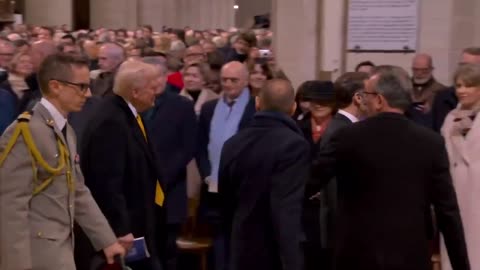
{"x": 83, "y": 87}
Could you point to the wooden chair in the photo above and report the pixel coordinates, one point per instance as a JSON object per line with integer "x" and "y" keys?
{"x": 194, "y": 239}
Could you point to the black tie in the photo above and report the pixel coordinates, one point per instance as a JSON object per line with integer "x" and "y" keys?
{"x": 64, "y": 132}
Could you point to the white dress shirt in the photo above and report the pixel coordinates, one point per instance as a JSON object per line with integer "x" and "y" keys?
{"x": 350, "y": 116}
{"x": 58, "y": 118}
{"x": 134, "y": 111}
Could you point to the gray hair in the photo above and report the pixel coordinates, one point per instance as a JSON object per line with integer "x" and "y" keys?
{"x": 177, "y": 45}
{"x": 157, "y": 61}
{"x": 219, "y": 42}
{"x": 394, "y": 85}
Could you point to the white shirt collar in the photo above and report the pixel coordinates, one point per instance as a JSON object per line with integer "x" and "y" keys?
{"x": 134, "y": 111}
{"x": 58, "y": 118}
{"x": 350, "y": 116}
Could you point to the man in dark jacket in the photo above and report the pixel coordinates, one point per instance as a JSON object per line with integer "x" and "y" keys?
{"x": 172, "y": 123}
{"x": 389, "y": 171}
{"x": 262, "y": 174}
{"x": 110, "y": 56}
{"x": 120, "y": 166}
{"x": 7, "y": 109}
{"x": 241, "y": 48}
{"x": 219, "y": 120}
{"x": 349, "y": 100}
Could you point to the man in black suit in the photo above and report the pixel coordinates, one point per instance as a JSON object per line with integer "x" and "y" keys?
{"x": 80, "y": 120}
{"x": 446, "y": 100}
{"x": 119, "y": 163}
{"x": 351, "y": 109}
{"x": 219, "y": 120}
{"x": 349, "y": 101}
{"x": 262, "y": 175}
{"x": 172, "y": 123}
{"x": 389, "y": 171}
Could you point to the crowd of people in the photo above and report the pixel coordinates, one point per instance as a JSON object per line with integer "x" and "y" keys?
{"x": 114, "y": 137}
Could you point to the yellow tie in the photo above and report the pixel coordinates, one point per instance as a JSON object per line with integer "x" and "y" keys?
{"x": 159, "y": 195}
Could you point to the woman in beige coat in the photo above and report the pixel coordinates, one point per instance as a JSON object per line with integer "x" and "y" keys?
{"x": 196, "y": 77}
{"x": 461, "y": 131}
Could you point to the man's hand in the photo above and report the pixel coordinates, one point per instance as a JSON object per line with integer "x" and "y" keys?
{"x": 112, "y": 251}
{"x": 207, "y": 180}
{"x": 126, "y": 241}
{"x": 316, "y": 196}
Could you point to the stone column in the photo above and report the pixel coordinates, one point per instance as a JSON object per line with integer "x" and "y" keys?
{"x": 197, "y": 14}
{"x": 49, "y": 12}
{"x": 296, "y": 38}
{"x": 113, "y": 13}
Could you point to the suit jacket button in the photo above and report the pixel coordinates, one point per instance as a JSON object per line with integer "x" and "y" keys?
{"x": 39, "y": 234}
{"x": 71, "y": 205}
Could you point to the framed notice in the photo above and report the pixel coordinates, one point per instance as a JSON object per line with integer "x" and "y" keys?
{"x": 383, "y": 25}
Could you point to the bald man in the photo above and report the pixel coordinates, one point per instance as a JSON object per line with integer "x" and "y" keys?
{"x": 262, "y": 176}
{"x": 219, "y": 120}
{"x": 110, "y": 56}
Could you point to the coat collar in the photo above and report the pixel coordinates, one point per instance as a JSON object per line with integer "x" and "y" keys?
{"x": 391, "y": 115}
{"x": 467, "y": 145}
{"x": 132, "y": 122}
{"x": 278, "y": 117}
{"x": 48, "y": 118}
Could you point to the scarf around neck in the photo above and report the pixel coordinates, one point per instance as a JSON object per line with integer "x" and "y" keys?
{"x": 463, "y": 120}
{"x": 224, "y": 125}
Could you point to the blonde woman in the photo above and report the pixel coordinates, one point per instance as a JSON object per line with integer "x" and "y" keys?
{"x": 19, "y": 69}
{"x": 461, "y": 131}
{"x": 196, "y": 77}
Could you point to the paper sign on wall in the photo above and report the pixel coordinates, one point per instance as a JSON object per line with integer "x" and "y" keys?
{"x": 383, "y": 25}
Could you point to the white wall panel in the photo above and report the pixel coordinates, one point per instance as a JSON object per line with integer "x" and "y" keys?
{"x": 49, "y": 12}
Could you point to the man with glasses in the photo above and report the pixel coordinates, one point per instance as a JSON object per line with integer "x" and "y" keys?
{"x": 425, "y": 87}
{"x": 389, "y": 171}
{"x": 351, "y": 109}
{"x": 42, "y": 190}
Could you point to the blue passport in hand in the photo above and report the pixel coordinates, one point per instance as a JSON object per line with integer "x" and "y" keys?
{"x": 139, "y": 251}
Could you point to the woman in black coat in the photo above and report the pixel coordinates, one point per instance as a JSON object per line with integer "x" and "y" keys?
{"x": 321, "y": 98}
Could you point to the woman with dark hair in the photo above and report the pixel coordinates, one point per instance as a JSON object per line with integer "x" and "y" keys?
{"x": 365, "y": 66}
{"x": 260, "y": 73}
{"x": 321, "y": 98}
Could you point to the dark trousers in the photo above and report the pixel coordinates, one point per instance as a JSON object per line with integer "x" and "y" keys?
{"x": 209, "y": 213}
{"x": 316, "y": 256}
{"x": 171, "y": 251}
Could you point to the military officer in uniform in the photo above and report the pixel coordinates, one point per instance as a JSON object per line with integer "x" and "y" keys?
{"x": 42, "y": 190}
